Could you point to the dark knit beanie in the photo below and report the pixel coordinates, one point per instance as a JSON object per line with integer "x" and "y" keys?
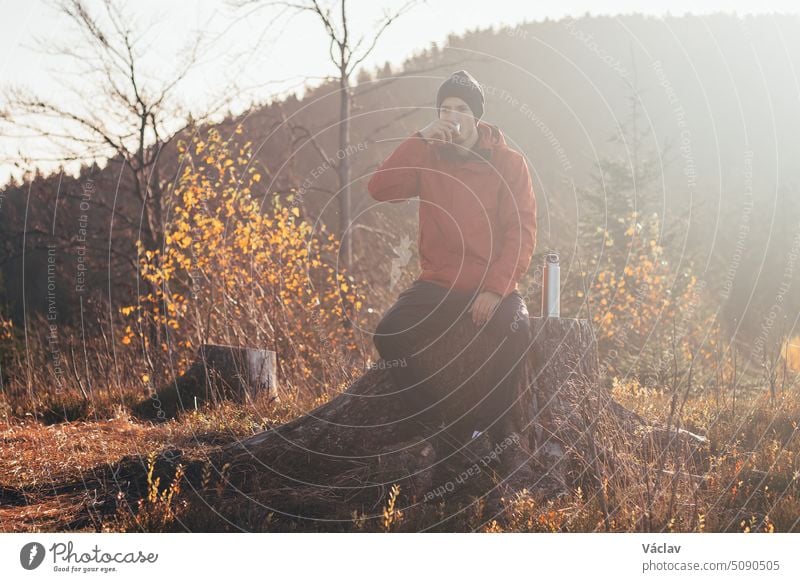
{"x": 464, "y": 86}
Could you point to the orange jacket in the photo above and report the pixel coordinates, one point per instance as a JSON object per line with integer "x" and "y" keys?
{"x": 477, "y": 216}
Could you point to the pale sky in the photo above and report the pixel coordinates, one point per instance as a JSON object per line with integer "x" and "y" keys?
{"x": 287, "y": 53}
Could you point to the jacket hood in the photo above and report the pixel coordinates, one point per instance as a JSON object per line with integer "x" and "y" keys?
{"x": 490, "y": 136}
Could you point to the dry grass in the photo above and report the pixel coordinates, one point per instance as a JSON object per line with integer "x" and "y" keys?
{"x": 56, "y": 477}
{"x": 51, "y": 472}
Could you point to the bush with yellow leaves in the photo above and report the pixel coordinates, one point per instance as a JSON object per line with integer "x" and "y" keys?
{"x": 241, "y": 267}
{"x": 648, "y": 314}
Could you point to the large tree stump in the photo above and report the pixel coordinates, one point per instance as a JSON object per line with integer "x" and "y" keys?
{"x": 218, "y": 373}
{"x": 345, "y": 455}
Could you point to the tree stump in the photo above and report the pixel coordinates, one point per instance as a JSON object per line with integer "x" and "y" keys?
{"x": 344, "y": 456}
{"x": 218, "y": 373}
{"x": 582, "y": 436}
{"x": 565, "y": 363}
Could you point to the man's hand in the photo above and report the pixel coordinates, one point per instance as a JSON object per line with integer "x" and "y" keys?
{"x": 439, "y": 130}
{"x": 483, "y": 307}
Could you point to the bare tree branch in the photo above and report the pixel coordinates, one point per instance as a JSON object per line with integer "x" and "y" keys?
{"x": 344, "y": 56}
{"x": 386, "y": 23}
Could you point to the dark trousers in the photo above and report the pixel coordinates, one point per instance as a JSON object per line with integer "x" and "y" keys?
{"x": 422, "y": 313}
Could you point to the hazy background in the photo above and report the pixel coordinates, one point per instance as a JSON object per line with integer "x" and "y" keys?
{"x": 704, "y": 104}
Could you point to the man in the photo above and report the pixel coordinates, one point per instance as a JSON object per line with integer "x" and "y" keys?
{"x": 477, "y": 233}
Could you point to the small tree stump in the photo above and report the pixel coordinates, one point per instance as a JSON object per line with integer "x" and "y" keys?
{"x": 219, "y": 373}
{"x": 238, "y": 373}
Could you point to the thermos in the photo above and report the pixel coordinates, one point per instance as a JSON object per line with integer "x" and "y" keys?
{"x": 551, "y": 286}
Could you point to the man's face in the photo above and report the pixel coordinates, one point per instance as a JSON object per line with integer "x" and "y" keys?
{"x": 456, "y": 109}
